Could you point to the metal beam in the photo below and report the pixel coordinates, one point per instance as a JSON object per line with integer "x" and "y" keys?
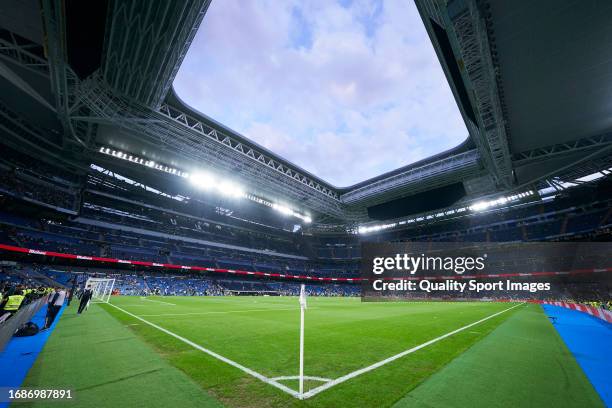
{"x": 14, "y": 78}
{"x": 63, "y": 79}
{"x": 23, "y": 52}
{"x": 467, "y": 33}
{"x": 174, "y": 131}
{"x": 146, "y": 43}
{"x": 452, "y": 168}
{"x": 249, "y": 152}
{"x": 561, "y": 149}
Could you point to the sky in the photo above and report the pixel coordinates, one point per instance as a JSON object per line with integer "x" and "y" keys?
{"x": 345, "y": 89}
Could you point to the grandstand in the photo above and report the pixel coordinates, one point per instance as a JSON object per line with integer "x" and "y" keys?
{"x": 105, "y": 172}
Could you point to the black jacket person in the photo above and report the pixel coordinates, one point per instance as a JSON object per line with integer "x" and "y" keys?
{"x": 85, "y": 297}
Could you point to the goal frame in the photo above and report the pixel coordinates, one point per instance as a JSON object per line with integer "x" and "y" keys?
{"x": 101, "y": 288}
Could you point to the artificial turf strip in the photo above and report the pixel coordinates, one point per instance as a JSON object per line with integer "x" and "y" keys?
{"x": 342, "y": 335}
{"x": 523, "y": 363}
{"x": 107, "y": 365}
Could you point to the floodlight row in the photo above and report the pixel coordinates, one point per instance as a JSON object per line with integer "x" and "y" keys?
{"x": 208, "y": 181}
{"x": 139, "y": 160}
{"x": 476, "y": 207}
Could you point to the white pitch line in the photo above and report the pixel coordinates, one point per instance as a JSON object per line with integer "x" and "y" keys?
{"x": 157, "y": 301}
{"x": 327, "y": 385}
{"x": 215, "y": 355}
{"x": 297, "y": 377}
{"x": 381, "y": 363}
{"x": 136, "y": 305}
{"x": 219, "y": 312}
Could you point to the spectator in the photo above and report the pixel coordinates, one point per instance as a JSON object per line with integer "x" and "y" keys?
{"x": 12, "y": 304}
{"x": 56, "y": 301}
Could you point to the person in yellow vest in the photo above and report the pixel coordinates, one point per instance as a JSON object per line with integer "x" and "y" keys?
{"x": 11, "y": 305}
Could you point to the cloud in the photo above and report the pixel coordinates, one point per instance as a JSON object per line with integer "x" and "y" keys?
{"x": 347, "y": 90}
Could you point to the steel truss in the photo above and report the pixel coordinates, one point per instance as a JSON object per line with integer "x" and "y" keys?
{"x": 142, "y": 54}
{"x": 452, "y": 168}
{"x": 555, "y": 150}
{"x": 576, "y": 170}
{"x": 472, "y": 38}
{"x": 246, "y": 150}
{"x": 557, "y": 180}
{"x": 434, "y": 9}
{"x": 172, "y": 130}
{"x": 23, "y": 52}
{"x": 467, "y": 33}
{"x": 129, "y": 88}
{"x": 63, "y": 79}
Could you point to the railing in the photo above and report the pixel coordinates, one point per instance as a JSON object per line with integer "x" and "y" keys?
{"x": 23, "y": 315}
{"x": 598, "y": 312}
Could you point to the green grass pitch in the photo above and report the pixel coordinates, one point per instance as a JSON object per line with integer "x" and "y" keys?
{"x": 343, "y": 336}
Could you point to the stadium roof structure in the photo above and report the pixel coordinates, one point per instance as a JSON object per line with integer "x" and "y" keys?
{"x": 533, "y": 82}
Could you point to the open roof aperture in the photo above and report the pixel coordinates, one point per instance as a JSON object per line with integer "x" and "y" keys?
{"x": 347, "y": 90}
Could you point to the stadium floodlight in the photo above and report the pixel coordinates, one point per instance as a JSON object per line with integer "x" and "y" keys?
{"x": 206, "y": 181}
{"x": 484, "y": 205}
{"x": 479, "y": 206}
{"x": 476, "y": 207}
{"x": 375, "y": 228}
{"x": 282, "y": 209}
{"x": 285, "y": 210}
{"x": 202, "y": 180}
{"x": 230, "y": 189}
{"x": 139, "y": 160}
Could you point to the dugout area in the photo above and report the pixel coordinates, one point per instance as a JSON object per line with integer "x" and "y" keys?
{"x": 112, "y": 359}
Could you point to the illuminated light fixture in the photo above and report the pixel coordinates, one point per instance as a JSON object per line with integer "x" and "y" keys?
{"x": 484, "y": 205}
{"x": 202, "y": 180}
{"x": 282, "y": 209}
{"x": 479, "y": 206}
{"x": 230, "y": 189}
{"x": 206, "y": 181}
{"x": 376, "y": 228}
{"x": 476, "y": 207}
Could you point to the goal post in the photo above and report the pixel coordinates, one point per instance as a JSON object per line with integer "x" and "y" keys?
{"x": 101, "y": 289}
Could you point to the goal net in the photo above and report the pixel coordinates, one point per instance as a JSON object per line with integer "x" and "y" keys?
{"x": 101, "y": 288}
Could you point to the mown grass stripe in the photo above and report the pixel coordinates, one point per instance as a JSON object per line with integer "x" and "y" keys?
{"x": 211, "y": 353}
{"x": 108, "y": 366}
{"x": 522, "y": 363}
{"x": 381, "y": 363}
